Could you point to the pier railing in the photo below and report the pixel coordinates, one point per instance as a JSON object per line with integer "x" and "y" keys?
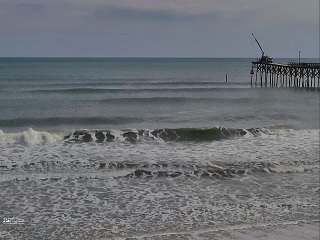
{"x": 304, "y": 64}
{"x": 292, "y": 74}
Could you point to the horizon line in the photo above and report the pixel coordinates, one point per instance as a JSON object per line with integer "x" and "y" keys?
{"x": 135, "y": 57}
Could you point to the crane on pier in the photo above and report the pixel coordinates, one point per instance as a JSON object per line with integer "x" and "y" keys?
{"x": 264, "y": 58}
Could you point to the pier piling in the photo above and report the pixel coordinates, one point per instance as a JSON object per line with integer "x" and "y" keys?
{"x": 305, "y": 75}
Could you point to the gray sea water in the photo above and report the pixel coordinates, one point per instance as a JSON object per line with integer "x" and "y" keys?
{"x": 137, "y": 148}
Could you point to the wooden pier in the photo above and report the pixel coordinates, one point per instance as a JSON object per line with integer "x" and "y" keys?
{"x": 299, "y": 75}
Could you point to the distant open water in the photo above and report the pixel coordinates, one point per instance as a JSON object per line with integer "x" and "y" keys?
{"x": 151, "y": 148}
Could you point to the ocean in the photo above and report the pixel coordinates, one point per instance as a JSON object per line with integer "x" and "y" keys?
{"x": 153, "y": 148}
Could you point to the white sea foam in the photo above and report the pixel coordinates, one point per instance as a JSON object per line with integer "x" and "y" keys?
{"x": 82, "y": 189}
{"x": 289, "y": 131}
{"x": 278, "y": 230}
{"x": 30, "y": 136}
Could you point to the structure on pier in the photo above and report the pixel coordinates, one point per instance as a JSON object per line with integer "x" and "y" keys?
{"x": 265, "y": 72}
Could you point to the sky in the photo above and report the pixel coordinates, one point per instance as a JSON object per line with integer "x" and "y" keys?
{"x": 158, "y": 28}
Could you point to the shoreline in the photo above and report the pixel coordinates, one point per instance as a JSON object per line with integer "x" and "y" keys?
{"x": 281, "y": 231}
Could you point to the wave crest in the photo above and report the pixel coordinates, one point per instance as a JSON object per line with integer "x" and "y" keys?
{"x": 31, "y": 137}
{"x": 162, "y": 135}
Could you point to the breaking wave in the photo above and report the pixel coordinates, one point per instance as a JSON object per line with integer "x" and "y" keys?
{"x": 176, "y": 135}
{"x": 31, "y": 136}
{"x": 161, "y": 170}
{"x": 120, "y": 170}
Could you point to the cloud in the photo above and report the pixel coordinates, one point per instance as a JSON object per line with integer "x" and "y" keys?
{"x": 31, "y": 8}
{"x": 22, "y": 9}
{"x": 141, "y": 14}
{"x": 153, "y": 27}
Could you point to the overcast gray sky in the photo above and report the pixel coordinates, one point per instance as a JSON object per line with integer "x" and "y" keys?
{"x": 159, "y": 28}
